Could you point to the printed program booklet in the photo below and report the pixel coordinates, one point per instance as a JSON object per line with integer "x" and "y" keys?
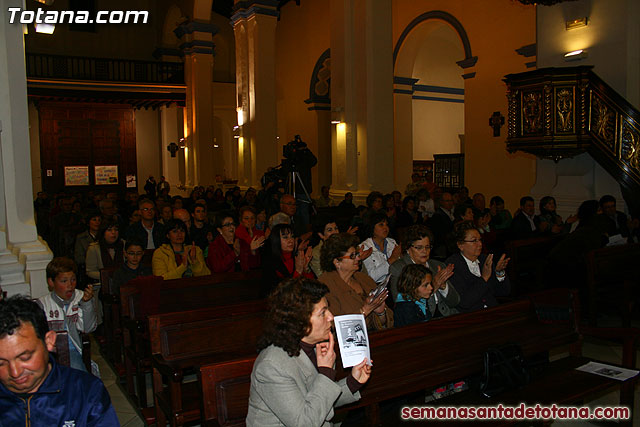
{"x": 351, "y": 330}
{"x": 609, "y": 371}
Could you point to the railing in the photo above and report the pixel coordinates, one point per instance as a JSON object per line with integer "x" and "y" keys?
{"x": 560, "y": 112}
{"x": 103, "y": 69}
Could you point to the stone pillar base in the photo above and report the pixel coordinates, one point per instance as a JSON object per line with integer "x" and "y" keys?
{"x": 23, "y": 268}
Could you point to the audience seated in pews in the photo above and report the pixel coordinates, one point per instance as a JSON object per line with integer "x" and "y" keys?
{"x": 548, "y": 221}
{"x": 288, "y": 207}
{"x": 617, "y": 222}
{"x": 385, "y": 249}
{"x": 67, "y": 308}
{"x": 174, "y": 260}
{"x": 476, "y": 276}
{"x": 418, "y": 248}
{"x": 500, "y": 217}
{"x": 323, "y": 227}
{"x": 441, "y": 224}
{"x": 132, "y": 267}
{"x": 93, "y": 219}
{"x": 293, "y": 378}
{"x": 347, "y": 202}
{"x": 108, "y": 251}
{"x": 285, "y": 257}
{"x": 523, "y": 225}
{"x": 415, "y": 287}
{"x": 409, "y": 215}
{"x": 247, "y": 229}
{"x": 202, "y": 232}
{"x": 567, "y": 262}
{"x": 148, "y": 230}
{"x": 228, "y": 253}
{"x": 349, "y": 289}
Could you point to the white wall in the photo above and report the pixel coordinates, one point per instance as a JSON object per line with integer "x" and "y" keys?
{"x": 437, "y": 123}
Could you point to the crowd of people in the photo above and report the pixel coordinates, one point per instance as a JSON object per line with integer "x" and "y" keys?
{"x": 437, "y": 252}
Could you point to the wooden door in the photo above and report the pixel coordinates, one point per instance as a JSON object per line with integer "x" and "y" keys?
{"x": 86, "y": 136}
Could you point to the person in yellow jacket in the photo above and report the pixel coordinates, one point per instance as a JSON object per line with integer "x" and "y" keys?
{"x": 174, "y": 260}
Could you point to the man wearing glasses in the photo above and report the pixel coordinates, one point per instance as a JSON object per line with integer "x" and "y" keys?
{"x": 445, "y": 298}
{"x": 147, "y": 230}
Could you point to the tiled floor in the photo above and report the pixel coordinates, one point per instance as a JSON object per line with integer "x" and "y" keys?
{"x": 595, "y": 349}
{"x": 127, "y": 413}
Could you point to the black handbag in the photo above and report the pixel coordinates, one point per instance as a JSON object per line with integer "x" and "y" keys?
{"x": 504, "y": 369}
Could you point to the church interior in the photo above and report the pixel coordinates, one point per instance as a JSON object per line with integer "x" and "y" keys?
{"x": 507, "y": 98}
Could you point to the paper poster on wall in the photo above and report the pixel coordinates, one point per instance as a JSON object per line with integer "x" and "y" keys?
{"x": 76, "y": 175}
{"x": 131, "y": 181}
{"x": 106, "y": 175}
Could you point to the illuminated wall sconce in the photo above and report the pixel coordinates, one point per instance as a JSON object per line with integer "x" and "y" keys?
{"x": 215, "y": 145}
{"x": 335, "y": 122}
{"x": 575, "y": 55}
{"x": 173, "y": 147}
{"x": 45, "y": 28}
{"x": 576, "y": 23}
{"x": 236, "y": 136}
{"x": 240, "y": 113}
{"x": 182, "y": 143}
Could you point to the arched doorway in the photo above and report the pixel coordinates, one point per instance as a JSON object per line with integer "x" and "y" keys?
{"x": 429, "y": 90}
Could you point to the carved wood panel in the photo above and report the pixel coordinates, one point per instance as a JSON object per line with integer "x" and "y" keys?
{"x": 77, "y": 134}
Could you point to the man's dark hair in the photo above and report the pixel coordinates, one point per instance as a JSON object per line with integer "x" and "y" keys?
{"x": 496, "y": 200}
{"x": 607, "y": 198}
{"x": 17, "y": 310}
{"x": 526, "y": 199}
{"x": 134, "y": 242}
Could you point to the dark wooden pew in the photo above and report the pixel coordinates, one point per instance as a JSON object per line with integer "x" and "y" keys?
{"x": 111, "y": 313}
{"x": 612, "y": 271}
{"x": 143, "y": 297}
{"x": 423, "y": 356}
{"x": 528, "y": 260}
{"x": 182, "y": 341}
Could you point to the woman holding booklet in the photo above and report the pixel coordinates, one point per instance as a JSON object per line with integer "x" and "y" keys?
{"x": 351, "y": 291}
{"x": 293, "y": 379}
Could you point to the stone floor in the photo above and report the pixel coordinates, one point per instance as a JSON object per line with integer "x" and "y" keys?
{"x": 595, "y": 349}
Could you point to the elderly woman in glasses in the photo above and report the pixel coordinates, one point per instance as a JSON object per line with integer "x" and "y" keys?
{"x": 477, "y": 277}
{"x": 349, "y": 289}
{"x": 229, "y": 253}
{"x": 444, "y": 297}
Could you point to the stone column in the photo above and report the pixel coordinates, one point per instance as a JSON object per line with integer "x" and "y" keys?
{"x": 197, "y": 45}
{"x": 23, "y": 256}
{"x": 362, "y": 96}
{"x": 403, "y": 131}
{"x": 254, "y": 24}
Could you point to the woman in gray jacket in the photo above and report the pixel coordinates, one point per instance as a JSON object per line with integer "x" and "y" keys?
{"x": 293, "y": 379}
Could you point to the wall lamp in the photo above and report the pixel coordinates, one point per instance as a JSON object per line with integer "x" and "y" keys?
{"x": 576, "y": 23}
{"x": 575, "y": 55}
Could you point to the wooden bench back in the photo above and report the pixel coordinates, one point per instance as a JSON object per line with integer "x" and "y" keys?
{"x": 613, "y": 263}
{"x": 414, "y": 357}
{"x": 225, "y": 391}
{"x": 223, "y": 329}
{"x": 150, "y": 295}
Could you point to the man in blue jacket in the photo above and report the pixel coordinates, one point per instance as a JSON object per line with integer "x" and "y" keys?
{"x": 34, "y": 389}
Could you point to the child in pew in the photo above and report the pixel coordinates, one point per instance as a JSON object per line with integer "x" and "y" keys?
{"x": 68, "y": 308}
{"x": 132, "y": 268}
{"x": 414, "y": 290}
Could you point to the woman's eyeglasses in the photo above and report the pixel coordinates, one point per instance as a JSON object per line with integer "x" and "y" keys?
{"x": 352, "y": 255}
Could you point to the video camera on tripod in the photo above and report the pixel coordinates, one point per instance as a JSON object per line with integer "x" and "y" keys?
{"x": 294, "y": 169}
